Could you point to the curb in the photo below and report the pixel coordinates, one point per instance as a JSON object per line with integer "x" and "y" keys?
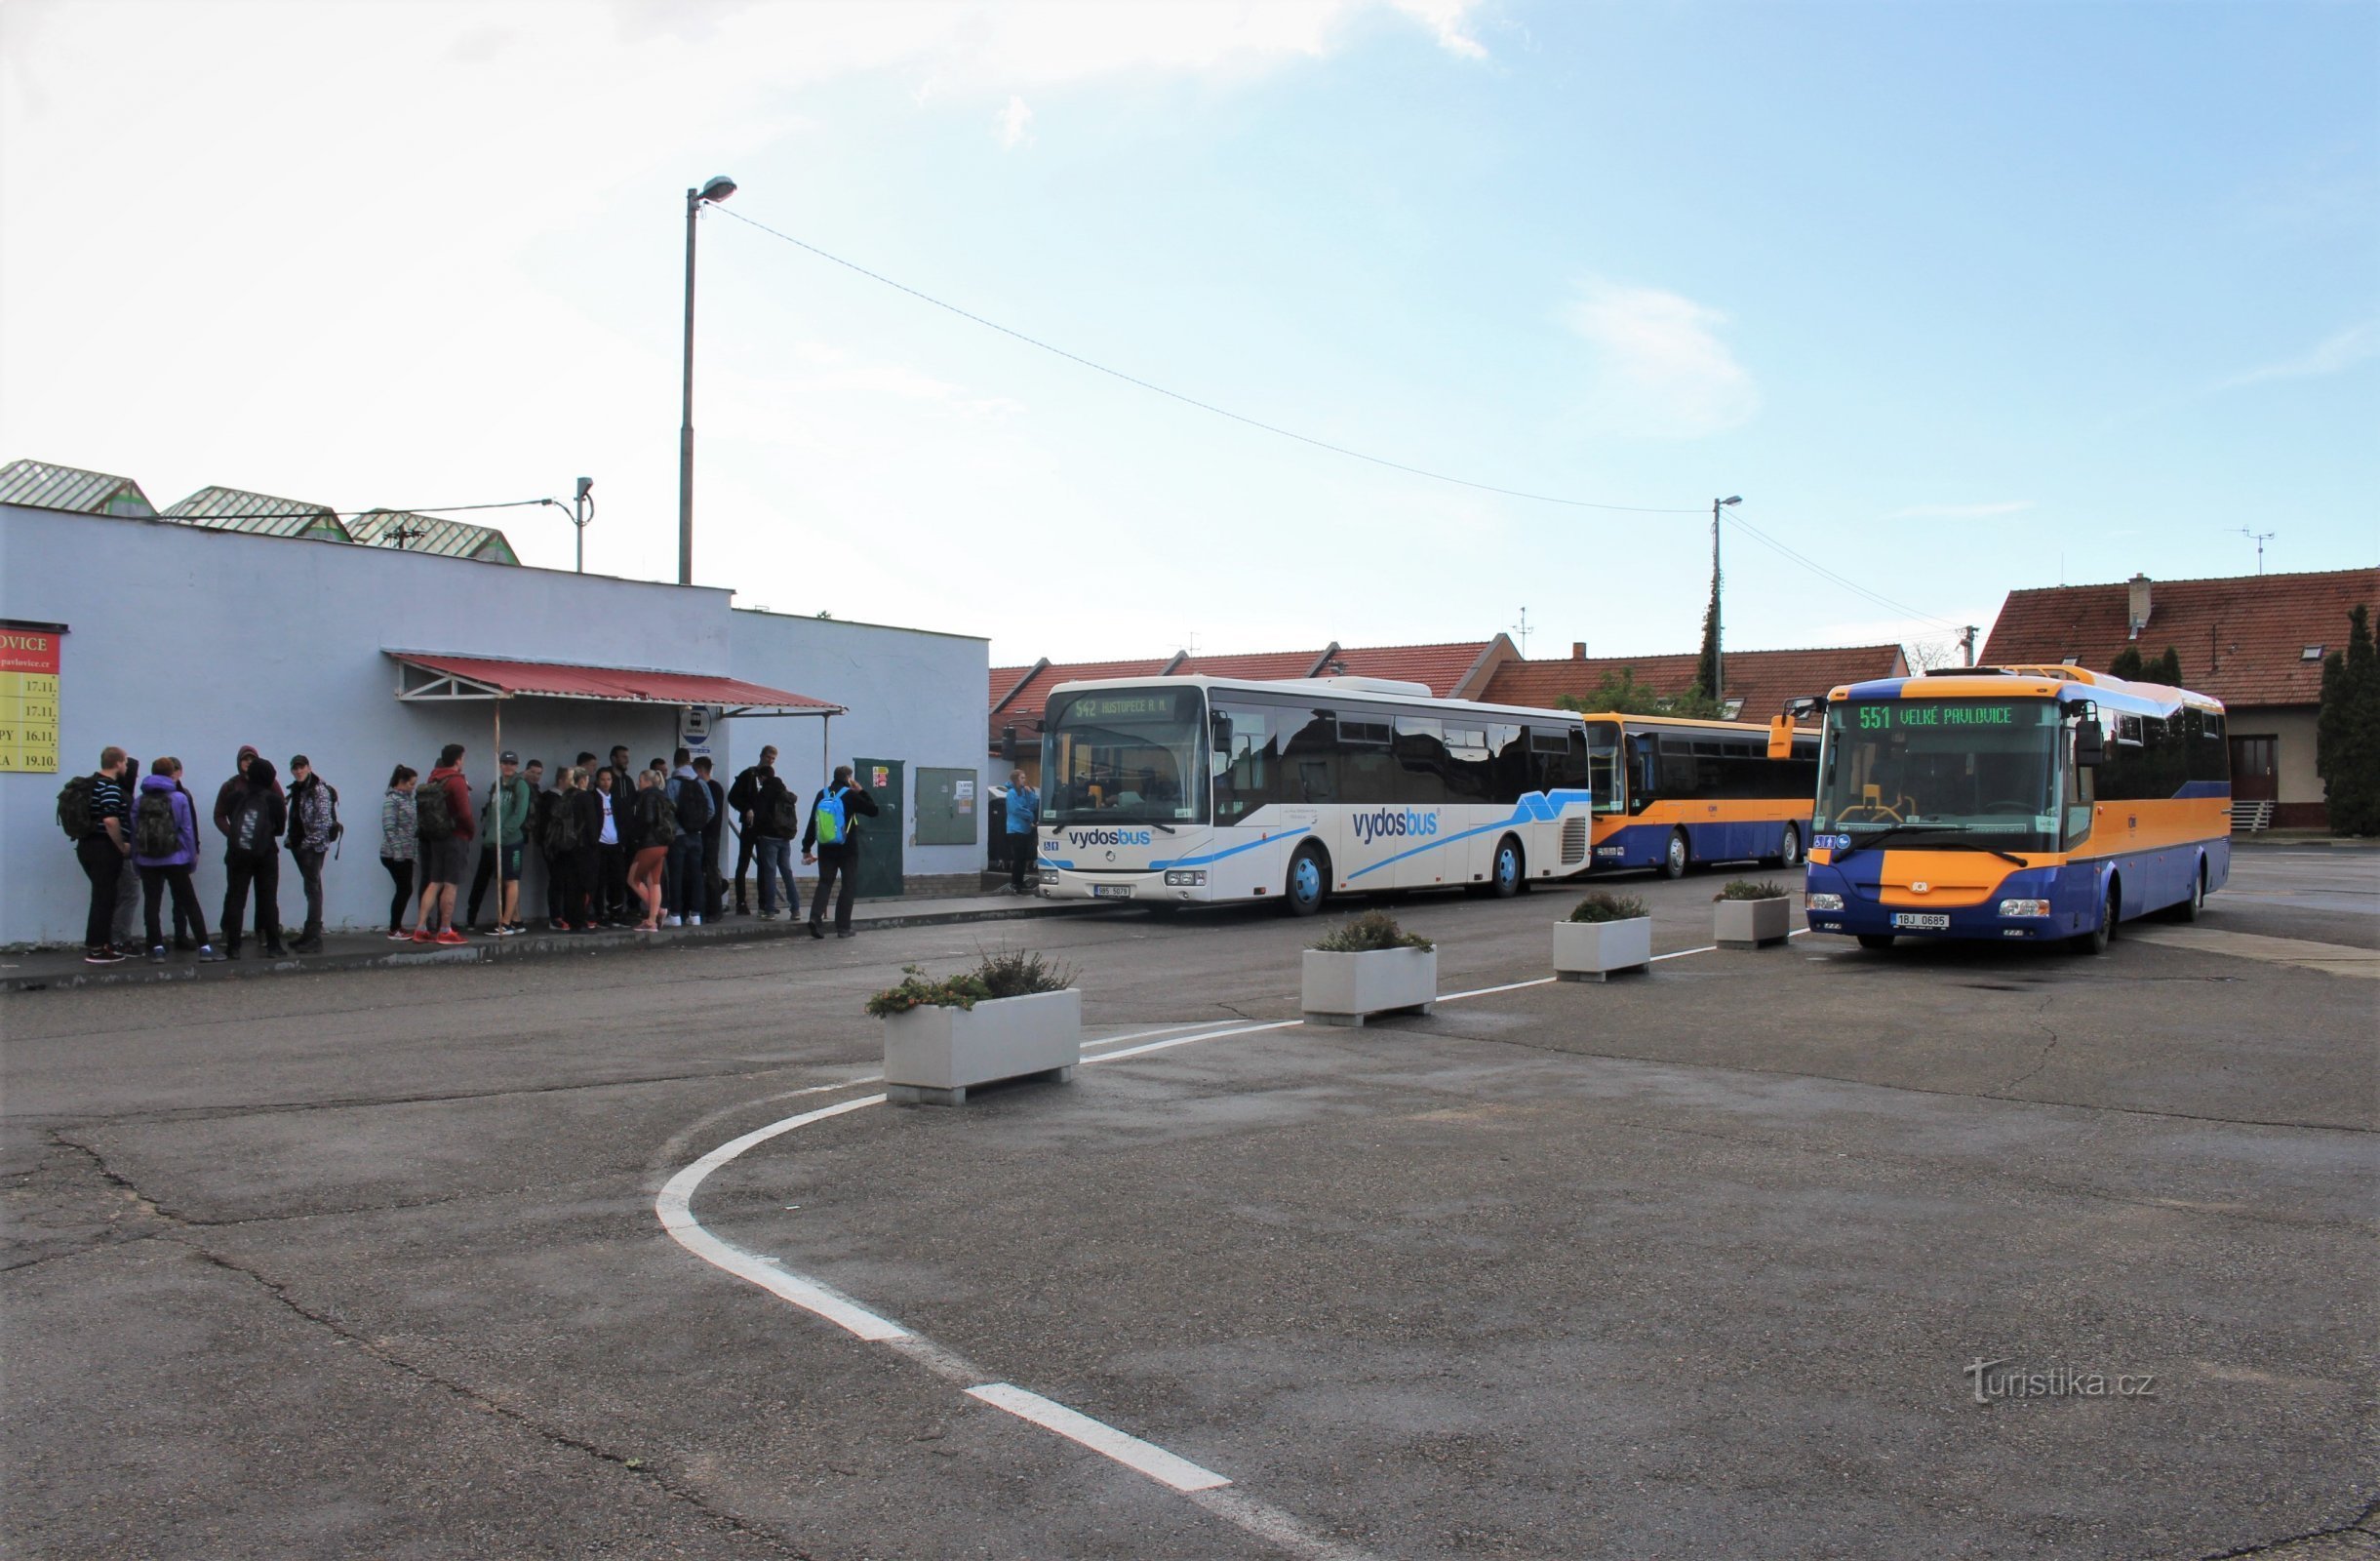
{"x": 532, "y": 946}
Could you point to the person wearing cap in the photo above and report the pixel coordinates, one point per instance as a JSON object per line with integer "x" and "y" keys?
{"x": 313, "y": 828}
{"x": 506, "y": 816}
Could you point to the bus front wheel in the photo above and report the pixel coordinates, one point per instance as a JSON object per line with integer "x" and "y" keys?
{"x": 1875, "y": 940}
{"x": 1309, "y": 882}
{"x": 1789, "y": 848}
{"x": 1511, "y": 869}
{"x": 1674, "y": 859}
{"x": 2096, "y": 941}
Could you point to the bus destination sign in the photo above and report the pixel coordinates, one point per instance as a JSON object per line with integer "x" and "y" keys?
{"x": 1158, "y": 707}
{"x": 1903, "y": 715}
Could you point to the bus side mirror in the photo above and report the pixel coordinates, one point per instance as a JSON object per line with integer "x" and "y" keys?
{"x": 1781, "y": 738}
{"x": 1220, "y": 725}
{"x": 2090, "y": 744}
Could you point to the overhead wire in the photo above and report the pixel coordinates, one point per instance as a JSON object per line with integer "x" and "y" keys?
{"x": 1848, "y": 583}
{"x": 1193, "y": 401}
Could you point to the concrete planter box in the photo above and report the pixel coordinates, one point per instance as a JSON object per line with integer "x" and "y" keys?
{"x": 1348, "y": 988}
{"x": 932, "y": 1055}
{"x": 1598, "y": 950}
{"x": 1753, "y": 923}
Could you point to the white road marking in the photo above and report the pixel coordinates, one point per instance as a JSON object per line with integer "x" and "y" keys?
{"x": 1167, "y": 1469}
{"x": 1185, "y": 1040}
{"x": 1490, "y": 991}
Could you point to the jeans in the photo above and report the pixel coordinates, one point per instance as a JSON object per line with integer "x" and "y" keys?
{"x": 747, "y": 847}
{"x": 612, "y": 886}
{"x": 402, "y": 873}
{"x": 1023, "y": 847}
{"x": 155, "y": 884}
{"x": 833, "y": 865}
{"x": 309, "y": 873}
{"x": 265, "y": 874}
{"x": 128, "y": 904}
{"x": 775, "y": 859}
{"x": 686, "y": 876}
{"x": 103, "y": 865}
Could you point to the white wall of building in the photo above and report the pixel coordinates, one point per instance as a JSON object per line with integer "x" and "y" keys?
{"x": 189, "y": 642}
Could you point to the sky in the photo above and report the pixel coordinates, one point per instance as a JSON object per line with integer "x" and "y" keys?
{"x": 1959, "y": 297}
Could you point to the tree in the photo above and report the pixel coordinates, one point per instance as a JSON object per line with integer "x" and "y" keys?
{"x": 2127, "y": 664}
{"x": 2347, "y": 732}
{"x": 1925, "y": 655}
{"x": 2166, "y": 669}
{"x": 1706, "y": 665}
{"x": 1620, "y": 694}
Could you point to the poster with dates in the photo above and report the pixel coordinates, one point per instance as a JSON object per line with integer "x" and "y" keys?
{"x": 29, "y": 701}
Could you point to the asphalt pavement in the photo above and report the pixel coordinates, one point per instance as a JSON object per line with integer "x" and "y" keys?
{"x": 1689, "y": 1265}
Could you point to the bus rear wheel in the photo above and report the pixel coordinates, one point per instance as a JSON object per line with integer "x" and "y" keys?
{"x": 1309, "y": 881}
{"x": 1875, "y": 940}
{"x": 2189, "y": 909}
{"x": 1511, "y": 873}
{"x": 1674, "y": 857}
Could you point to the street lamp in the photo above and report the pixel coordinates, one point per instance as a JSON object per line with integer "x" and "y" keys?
{"x": 717, "y": 189}
{"x": 1718, "y": 673}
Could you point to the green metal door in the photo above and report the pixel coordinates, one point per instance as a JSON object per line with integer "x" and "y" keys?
{"x": 883, "y": 838}
{"x": 946, "y": 807}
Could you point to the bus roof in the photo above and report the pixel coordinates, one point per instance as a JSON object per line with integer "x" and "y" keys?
{"x": 2026, "y": 682}
{"x": 1376, "y": 691}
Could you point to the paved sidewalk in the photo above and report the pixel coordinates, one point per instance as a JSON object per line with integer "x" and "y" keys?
{"x": 57, "y": 968}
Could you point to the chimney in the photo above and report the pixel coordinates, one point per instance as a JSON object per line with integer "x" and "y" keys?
{"x": 1578, "y": 650}
{"x": 2139, "y": 615}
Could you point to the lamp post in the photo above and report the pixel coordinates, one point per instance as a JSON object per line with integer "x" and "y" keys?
{"x": 1719, "y": 668}
{"x": 717, "y": 189}
{"x": 580, "y": 510}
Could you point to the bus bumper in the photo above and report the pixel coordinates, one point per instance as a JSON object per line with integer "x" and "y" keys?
{"x": 1188, "y": 887}
{"x": 1836, "y": 903}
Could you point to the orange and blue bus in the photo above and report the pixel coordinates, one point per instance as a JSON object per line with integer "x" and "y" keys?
{"x": 2019, "y": 804}
{"x": 1669, "y": 792}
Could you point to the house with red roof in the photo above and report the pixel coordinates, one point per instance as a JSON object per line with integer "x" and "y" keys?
{"x": 1757, "y": 682}
{"x": 2256, "y": 642}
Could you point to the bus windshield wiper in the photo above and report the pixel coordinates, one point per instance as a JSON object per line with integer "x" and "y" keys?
{"x": 1862, "y": 842}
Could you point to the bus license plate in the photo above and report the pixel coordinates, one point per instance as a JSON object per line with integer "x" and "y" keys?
{"x": 1111, "y": 891}
{"x": 1923, "y": 924}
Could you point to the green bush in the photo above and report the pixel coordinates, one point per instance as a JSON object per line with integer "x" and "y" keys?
{"x": 1605, "y": 905}
{"x": 995, "y": 976}
{"x": 1369, "y": 933}
{"x": 1752, "y": 889}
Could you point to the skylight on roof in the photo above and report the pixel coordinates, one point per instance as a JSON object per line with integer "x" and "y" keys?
{"x": 2312, "y": 653}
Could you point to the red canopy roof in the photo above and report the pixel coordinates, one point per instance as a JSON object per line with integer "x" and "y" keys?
{"x": 463, "y": 677}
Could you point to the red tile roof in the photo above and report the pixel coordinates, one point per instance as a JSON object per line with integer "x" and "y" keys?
{"x": 2242, "y": 639}
{"x": 1444, "y": 667}
{"x": 1763, "y": 679}
{"x": 1267, "y": 665}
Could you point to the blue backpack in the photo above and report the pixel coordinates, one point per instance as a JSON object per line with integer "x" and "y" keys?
{"x": 830, "y": 819}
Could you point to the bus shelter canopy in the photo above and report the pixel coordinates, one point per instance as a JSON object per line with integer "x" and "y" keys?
{"x": 423, "y": 677}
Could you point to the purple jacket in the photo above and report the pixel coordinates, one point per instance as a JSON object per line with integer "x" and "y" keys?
{"x": 185, "y": 821}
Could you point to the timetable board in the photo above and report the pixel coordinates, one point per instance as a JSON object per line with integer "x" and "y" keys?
{"x": 29, "y": 701}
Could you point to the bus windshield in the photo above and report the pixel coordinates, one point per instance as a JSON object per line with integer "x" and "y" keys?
{"x": 1604, "y": 767}
{"x": 1933, "y": 770}
{"x": 1126, "y": 756}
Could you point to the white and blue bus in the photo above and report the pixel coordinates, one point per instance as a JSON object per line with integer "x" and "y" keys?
{"x": 1172, "y": 790}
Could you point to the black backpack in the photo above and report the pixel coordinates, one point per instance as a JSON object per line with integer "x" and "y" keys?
{"x": 565, "y": 826}
{"x": 694, "y": 804}
{"x": 663, "y": 815}
{"x": 156, "y": 832}
{"x": 75, "y": 800}
{"x": 251, "y": 831}
{"x": 784, "y": 812}
{"x": 433, "y": 811}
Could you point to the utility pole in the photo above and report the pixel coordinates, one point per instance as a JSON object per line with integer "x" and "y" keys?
{"x": 717, "y": 189}
{"x": 1968, "y": 639}
{"x": 1719, "y": 665}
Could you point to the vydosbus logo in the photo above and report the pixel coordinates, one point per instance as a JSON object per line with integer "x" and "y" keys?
{"x": 1107, "y": 837}
{"x": 1388, "y": 823}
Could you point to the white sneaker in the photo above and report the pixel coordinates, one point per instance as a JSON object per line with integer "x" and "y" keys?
{"x": 671, "y": 921}
{"x": 694, "y": 921}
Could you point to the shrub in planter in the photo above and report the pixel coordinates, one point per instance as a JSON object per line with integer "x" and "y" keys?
{"x": 1603, "y": 935}
{"x": 1752, "y": 914}
{"x": 1368, "y": 966}
{"x": 1014, "y": 1014}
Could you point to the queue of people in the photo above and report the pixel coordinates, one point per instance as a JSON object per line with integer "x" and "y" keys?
{"x": 620, "y": 848}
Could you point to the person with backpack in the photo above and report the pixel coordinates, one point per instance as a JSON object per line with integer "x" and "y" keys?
{"x": 744, "y": 798}
{"x": 94, "y": 813}
{"x": 563, "y": 838}
{"x": 400, "y": 843}
{"x": 165, "y": 848}
{"x": 314, "y": 829}
{"x": 832, "y": 841}
{"x": 652, "y": 828}
{"x": 714, "y": 882}
{"x": 1022, "y": 829}
{"x": 692, "y": 801}
{"x": 227, "y": 795}
{"x": 123, "y": 932}
{"x": 442, "y": 822}
{"x": 258, "y": 816}
{"x": 774, "y": 824}
{"x": 506, "y": 815}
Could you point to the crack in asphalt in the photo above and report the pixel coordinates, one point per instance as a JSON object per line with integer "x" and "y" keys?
{"x": 2041, "y": 1061}
{"x": 2366, "y": 1522}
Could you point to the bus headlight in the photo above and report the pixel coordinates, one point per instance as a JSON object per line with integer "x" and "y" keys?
{"x": 1186, "y": 880}
{"x": 1049, "y": 875}
{"x": 1822, "y": 902}
{"x": 2024, "y": 907}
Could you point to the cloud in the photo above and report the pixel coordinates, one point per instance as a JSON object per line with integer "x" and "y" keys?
{"x": 2331, "y": 355}
{"x": 1659, "y": 370}
{"x": 1016, "y": 125}
{"x": 1444, "y": 19}
{"x": 2007, "y": 507}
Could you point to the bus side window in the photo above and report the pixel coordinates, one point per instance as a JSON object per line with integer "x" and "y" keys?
{"x": 1311, "y": 756}
{"x": 1644, "y": 773}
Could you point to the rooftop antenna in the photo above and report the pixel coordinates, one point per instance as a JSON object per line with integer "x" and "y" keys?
{"x": 1521, "y": 628}
{"x": 2260, "y": 538}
